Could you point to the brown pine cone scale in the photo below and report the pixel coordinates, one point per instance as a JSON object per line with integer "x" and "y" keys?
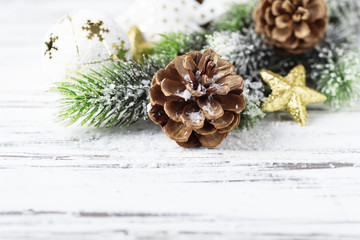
{"x": 294, "y": 26}
{"x": 197, "y": 99}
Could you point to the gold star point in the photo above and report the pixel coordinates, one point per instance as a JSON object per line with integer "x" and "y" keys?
{"x": 138, "y": 44}
{"x": 290, "y": 93}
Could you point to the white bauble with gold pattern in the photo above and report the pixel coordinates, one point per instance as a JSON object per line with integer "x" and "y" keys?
{"x": 84, "y": 40}
{"x": 154, "y": 17}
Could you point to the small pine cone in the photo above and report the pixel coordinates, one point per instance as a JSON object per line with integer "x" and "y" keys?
{"x": 294, "y": 26}
{"x": 197, "y": 99}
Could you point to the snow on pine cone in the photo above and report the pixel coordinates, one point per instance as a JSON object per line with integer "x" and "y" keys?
{"x": 197, "y": 99}
{"x": 292, "y": 25}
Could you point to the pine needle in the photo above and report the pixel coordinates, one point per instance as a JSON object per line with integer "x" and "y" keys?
{"x": 238, "y": 16}
{"x": 176, "y": 44}
{"x": 113, "y": 97}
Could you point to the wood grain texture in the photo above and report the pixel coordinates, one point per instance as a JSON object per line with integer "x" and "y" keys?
{"x": 279, "y": 181}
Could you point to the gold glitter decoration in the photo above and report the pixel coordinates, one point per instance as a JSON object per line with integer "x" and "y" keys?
{"x": 138, "y": 44}
{"x": 50, "y": 46}
{"x": 95, "y": 29}
{"x": 290, "y": 93}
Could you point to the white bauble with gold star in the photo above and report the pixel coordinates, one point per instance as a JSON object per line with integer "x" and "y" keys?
{"x": 154, "y": 17}
{"x": 84, "y": 40}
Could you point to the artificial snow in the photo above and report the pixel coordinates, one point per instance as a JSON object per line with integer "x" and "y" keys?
{"x": 149, "y": 107}
{"x": 209, "y": 109}
{"x": 201, "y": 89}
{"x": 196, "y": 117}
{"x": 216, "y": 86}
{"x": 186, "y": 95}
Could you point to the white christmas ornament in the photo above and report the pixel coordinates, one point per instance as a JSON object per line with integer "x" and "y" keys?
{"x": 84, "y": 40}
{"x": 154, "y": 17}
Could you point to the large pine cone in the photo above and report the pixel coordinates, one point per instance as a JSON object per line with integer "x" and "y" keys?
{"x": 197, "y": 99}
{"x": 292, "y": 25}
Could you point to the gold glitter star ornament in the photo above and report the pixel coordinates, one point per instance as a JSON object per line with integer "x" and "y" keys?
{"x": 290, "y": 93}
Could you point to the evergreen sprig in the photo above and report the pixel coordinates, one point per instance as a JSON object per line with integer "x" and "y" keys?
{"x": 339, "y": 77}
{"x": 237, "y": 17}
{"x": 115, "y": 97}
{"x": 175, "y": 44}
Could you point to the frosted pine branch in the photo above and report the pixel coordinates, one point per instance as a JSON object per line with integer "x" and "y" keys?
{"x": 176, "y": 44}
{"x": 339, "y": 77}
{"x": 114, "y": 97}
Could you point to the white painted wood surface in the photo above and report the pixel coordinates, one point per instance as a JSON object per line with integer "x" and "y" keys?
{"x": 278, "y": 181}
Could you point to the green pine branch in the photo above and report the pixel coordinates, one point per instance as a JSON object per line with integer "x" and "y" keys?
{"x": 115, "y": 97}
{"x": 176, "y": 44}
{"x": 339, "y": 78}
{"x": 237, "y": 17}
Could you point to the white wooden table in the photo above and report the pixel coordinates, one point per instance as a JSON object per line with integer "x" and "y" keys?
{"x": 278, "y": 181}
